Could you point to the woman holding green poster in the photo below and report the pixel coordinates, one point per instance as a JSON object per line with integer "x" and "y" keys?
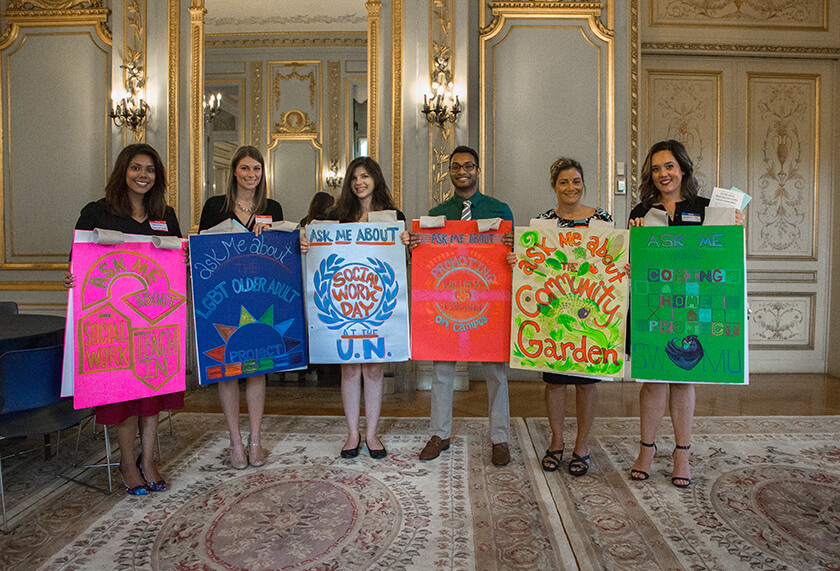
{"x": 668, "y": 184}
{"x": 567, "y": 183}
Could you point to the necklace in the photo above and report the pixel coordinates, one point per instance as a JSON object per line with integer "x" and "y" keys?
{"x": 243, "y": 209}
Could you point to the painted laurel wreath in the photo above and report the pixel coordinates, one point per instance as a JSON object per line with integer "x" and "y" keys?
{"x": 329, "y": 315}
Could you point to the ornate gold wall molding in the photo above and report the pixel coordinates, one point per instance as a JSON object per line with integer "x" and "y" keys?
{"x": 302, "y": 39}
{"x": 635, "y": 53}
{"x": 396, "y": 100}
{"x": 197, "y": 13}
{"x": 41, "y": 14}
{"x": 173, "y": 109}
{"x": 134, "y": 51}
{"x": 501, "y": 11}
{"x": 256, "y": 104}
{"x": 373, "y": 7}
{"x": 802, "y": 51}
{"x": 333, "y": 111}
{"x": 742, "y": 14}
{"x": 441, "y": 45}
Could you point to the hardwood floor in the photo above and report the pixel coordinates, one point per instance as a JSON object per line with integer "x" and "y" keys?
{"x": 766, "y": 395}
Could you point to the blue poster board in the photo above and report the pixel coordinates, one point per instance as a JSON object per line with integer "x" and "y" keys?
{"x": 356, "y": 298}
{"x": 248, "y": 304}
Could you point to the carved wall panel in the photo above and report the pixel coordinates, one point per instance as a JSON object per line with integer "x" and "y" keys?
{"x": 777, "y": 14}
{"x": 782, "y": 321}
{"x": 686, "y": 106}
{"x": 782, "y": 162}
{"x": 295, "y": 95}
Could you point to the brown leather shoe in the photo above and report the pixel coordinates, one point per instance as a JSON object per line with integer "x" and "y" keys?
{"x": 501, "y": 454}
{"x": 433, "y": 448}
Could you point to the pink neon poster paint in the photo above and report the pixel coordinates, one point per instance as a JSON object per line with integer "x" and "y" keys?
{"x": 129, "y": 321}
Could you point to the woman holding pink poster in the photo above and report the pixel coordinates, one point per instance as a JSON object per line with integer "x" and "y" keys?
{"x": 364, "y": 191}
{"x": 135, "y": 203}
{"x": 247, "y": 203}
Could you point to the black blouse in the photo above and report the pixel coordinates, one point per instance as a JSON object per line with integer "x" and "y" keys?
{"x": 97, "y": 215}
{"x": 686, "y": 212}
{"x": 214, "y": 213}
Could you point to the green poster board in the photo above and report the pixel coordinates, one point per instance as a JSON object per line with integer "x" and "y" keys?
{"x": 688, "y": 319}
{"x": 569, "y": 305}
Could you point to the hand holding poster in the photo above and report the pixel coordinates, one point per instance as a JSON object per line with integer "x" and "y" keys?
{"x": 128, "y": 319}
{"x": 460, "y": 298}
{"x": 689, "y": 310}
{"x": 356, "y": 299}
{"x": 248, "y": 304}
{"x": 569, "y": 301}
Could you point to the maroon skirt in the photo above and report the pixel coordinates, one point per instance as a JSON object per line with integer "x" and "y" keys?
{"x": 117, "y": 412}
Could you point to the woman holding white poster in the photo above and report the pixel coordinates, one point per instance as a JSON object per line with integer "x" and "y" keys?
{"x": 568, "y": 186}
{"x": 135, "y": 203}
{"x": 246, "y": 202}
{"x": 363, "y": 191}
{"x": 668, "y": 184}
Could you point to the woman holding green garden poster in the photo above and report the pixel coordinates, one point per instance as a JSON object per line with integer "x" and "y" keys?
{"x": 568, "y": 186}
{"x": 668, "y": 184}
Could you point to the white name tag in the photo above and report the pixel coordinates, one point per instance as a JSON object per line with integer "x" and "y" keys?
{"x": 262, "y": 219}
{"x": 159, "y": 225}
{"x": 689, "y": 217}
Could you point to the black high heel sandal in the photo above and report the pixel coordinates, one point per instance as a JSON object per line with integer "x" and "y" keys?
{"x": 641, "y": 475}
{"x": 551, "y": 461}
{"x": 675, "y": 479}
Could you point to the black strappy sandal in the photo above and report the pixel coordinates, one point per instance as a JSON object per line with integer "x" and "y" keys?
{"x": 579, "y": 464}
{"x": 551, "y": 462}
{"x": 640, "y": 475}
{"x": 675, "y": 479}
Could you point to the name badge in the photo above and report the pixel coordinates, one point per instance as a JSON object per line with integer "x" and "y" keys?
{"x": 262, "y": 219}
{"x": 689, "y": 217}
{"x": 159, "y": 225}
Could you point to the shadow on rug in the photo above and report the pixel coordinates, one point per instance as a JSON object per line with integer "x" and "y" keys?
{"x": 765, "y": 494}
{"x": 309, "y": 509}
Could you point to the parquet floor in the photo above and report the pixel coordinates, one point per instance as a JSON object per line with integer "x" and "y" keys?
{"x": 777, "y": 394}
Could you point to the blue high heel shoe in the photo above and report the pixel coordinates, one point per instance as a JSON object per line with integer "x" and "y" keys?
{"x": 159, "y": 486}
{"x": 136, "y": 490}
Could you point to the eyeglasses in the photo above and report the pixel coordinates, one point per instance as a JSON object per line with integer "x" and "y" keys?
{"x": 469, "y": 167}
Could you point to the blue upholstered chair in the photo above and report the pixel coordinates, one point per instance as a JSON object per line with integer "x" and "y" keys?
{"x": 30, "y": 399}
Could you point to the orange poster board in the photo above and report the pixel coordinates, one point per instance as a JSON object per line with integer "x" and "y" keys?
{"x": 460, "y": 298}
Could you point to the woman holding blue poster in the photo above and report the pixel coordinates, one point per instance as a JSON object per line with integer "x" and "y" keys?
{"x": 668, "y": 184}
{"x": 246, "y": 202}
{"x": 364, "y": 191}
{"x": 135, "y": 203}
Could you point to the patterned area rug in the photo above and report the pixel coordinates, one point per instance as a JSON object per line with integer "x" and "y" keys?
{"x": 765, "y": 494}
{"x": 309, "y": 509}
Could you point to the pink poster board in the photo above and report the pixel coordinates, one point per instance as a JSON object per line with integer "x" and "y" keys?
{"x": 128, "y": 321}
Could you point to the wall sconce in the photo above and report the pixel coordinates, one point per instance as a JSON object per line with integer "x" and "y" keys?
{"x": 334, "y": 179}
{"x": 129, "y": 108}
{"x": 212, "y": 107}
{"x": 441, "y": 106}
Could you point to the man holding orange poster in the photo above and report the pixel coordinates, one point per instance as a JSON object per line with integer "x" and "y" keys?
{"x": 461, "y": 300}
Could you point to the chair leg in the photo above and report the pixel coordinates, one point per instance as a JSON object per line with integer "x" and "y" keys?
{"x": 108, "y": 458}
{"x": 3, "y": 497}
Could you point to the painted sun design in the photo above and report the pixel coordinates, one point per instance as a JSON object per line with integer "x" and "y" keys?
{"x": 253, "y": 339}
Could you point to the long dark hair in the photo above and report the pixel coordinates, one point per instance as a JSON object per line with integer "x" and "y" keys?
{"x": 319, "y": 207}
{"x": 347, "y": 208}
{"x": 648, "y": 192}
{"x": 260, "y": 193}
{"x": 116, "y": 191}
